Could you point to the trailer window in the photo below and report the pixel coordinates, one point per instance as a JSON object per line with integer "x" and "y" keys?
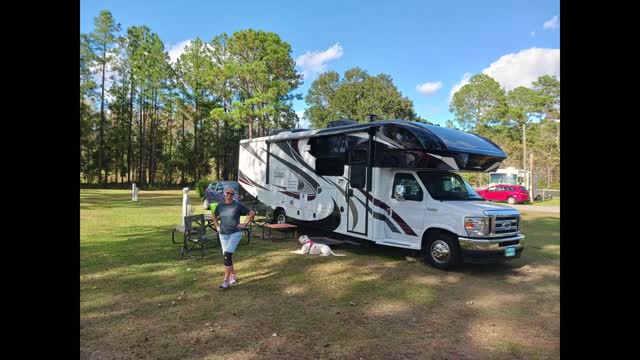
{"x": 358, "y": 177}
{"x": 330, "y": 166}
{"x": 400, "y": 136}
{"x": 412, "y": 189}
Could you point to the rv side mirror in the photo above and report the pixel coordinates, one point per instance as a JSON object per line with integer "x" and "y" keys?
{"x": 399, "y": 192}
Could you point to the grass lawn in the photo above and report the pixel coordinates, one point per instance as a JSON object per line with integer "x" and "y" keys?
{"x": 140, "y": 300}
{"x": 552, "y": 202}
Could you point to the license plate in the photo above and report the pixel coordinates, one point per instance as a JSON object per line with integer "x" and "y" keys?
{"x": 510, "y": 251}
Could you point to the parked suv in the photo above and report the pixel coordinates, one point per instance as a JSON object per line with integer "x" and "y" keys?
{"x": 505, "y": 192}
{"x": 213, "y": 193}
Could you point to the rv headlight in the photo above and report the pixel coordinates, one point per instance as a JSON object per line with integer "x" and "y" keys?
{"x": 476, "y": 226}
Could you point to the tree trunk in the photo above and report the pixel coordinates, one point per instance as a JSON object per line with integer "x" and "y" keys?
{"x": 250, "y": 123}
{"x": 195, "y": 143}
{"x": 558, "y": 137}
{"x": 100, "y": 142}
{"x": 116, "y": 166}
{"x": 182, "y": 179}
{"x": 524, "y": 146}
{"x": 154, "y": 133}
{"x": 169, "y": 167}
{"x": 140, "y": 138}
{"x": 130, "y": 145}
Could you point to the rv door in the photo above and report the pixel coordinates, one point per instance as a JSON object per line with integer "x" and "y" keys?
{"x": 356, "y": 191}
{"x": 402, "y": 208}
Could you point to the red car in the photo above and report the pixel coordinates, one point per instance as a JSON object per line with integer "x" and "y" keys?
{"x": 505, "y": 192}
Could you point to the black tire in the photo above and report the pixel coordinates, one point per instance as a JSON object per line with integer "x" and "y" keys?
{"x": 279, "y": 216}
{"x": 511, "y": 200}
{"x": 442, "y": 251}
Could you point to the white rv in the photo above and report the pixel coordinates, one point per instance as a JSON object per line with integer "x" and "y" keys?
{"x": 513, "y": 176}
{"x": 391, "y": 182}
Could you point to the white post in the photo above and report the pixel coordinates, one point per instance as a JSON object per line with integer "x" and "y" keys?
{"x": 134, "y": 192}
{"x": 185, "y": 203}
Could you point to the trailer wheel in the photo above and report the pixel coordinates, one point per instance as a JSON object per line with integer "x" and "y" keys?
{"x": 442, "y": 250}
{"x": 279, "y": 216}
{"x": 511, "y": 200}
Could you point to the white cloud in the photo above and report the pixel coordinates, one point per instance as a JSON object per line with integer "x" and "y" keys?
{"x": 176, "y": 50}
{"x": 524, "y": 67}
{"x": 315, "y": 62}
{"x": 429, "y": 88}
{"x": 533, "y": 33}
{"x": 465, "y": 80}
{"x": 552, "y": 23}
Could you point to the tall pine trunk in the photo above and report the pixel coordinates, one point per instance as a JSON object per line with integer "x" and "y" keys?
{"x": 182, "y": 175}
{"x": 130, "y": 145}
{"x": 195, "y": 143}
{"x": 101, "y": 141}
{"x": 140, "y": 139}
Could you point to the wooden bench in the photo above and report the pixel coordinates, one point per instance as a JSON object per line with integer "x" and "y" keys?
{"x": 279, "y": 227}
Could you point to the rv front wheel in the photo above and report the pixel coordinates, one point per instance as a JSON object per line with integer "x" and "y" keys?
{"x": 279, "y": 216}
{"x": 442, "y": 251}
{"x": 511, "y": 200}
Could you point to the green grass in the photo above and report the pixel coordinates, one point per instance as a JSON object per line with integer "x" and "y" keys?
{"x": 552, "y": 202}
{"x": 139, "y": 299}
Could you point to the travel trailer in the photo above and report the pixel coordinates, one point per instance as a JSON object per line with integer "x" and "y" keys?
{"x": 391, "y": 182}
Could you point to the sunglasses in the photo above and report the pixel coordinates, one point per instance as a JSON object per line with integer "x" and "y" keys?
{"x": 229, "y": 193}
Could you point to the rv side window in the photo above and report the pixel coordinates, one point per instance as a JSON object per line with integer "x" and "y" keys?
{"x": 330, "y": 166}
{"x": 358, "y": 176}
{"x": 412, "y": 189}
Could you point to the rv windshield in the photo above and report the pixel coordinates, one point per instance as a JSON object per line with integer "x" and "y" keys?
{"x": 447, "y": 186}
{"x": 499, "y": 178}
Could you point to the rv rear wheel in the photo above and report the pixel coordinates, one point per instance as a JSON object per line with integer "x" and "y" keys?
{"x": 279, "y": 216}
{"x": 442, "y": 250}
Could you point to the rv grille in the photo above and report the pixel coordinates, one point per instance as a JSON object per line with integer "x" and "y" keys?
{"x": 505, "y": 225}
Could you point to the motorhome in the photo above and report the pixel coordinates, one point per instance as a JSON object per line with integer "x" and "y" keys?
{"x": 391, "y": 182}
{"x": 513, "y": 176}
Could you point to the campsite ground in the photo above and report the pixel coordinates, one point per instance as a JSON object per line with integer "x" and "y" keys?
{"x": 140, "y": 300}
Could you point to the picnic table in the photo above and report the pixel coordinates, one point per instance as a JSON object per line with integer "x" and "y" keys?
{"x": 279, "y": 227}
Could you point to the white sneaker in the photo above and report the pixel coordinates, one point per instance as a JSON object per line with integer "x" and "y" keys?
{"x": 232, "y": 281}
{"x": 224, "y": 285}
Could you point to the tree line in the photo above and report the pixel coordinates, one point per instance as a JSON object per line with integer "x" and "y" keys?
{"x": 146, "y": 119}
{"x": 149, "y": 120}
{"x": 524, "y": 122}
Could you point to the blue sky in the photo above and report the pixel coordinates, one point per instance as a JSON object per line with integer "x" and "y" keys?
{"x": 429, "y": 48}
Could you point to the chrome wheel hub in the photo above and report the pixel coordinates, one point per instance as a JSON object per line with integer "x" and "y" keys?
{"x": 440, "y": 251}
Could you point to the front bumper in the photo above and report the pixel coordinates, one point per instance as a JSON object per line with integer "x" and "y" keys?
{"x": 475, "y": 250}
